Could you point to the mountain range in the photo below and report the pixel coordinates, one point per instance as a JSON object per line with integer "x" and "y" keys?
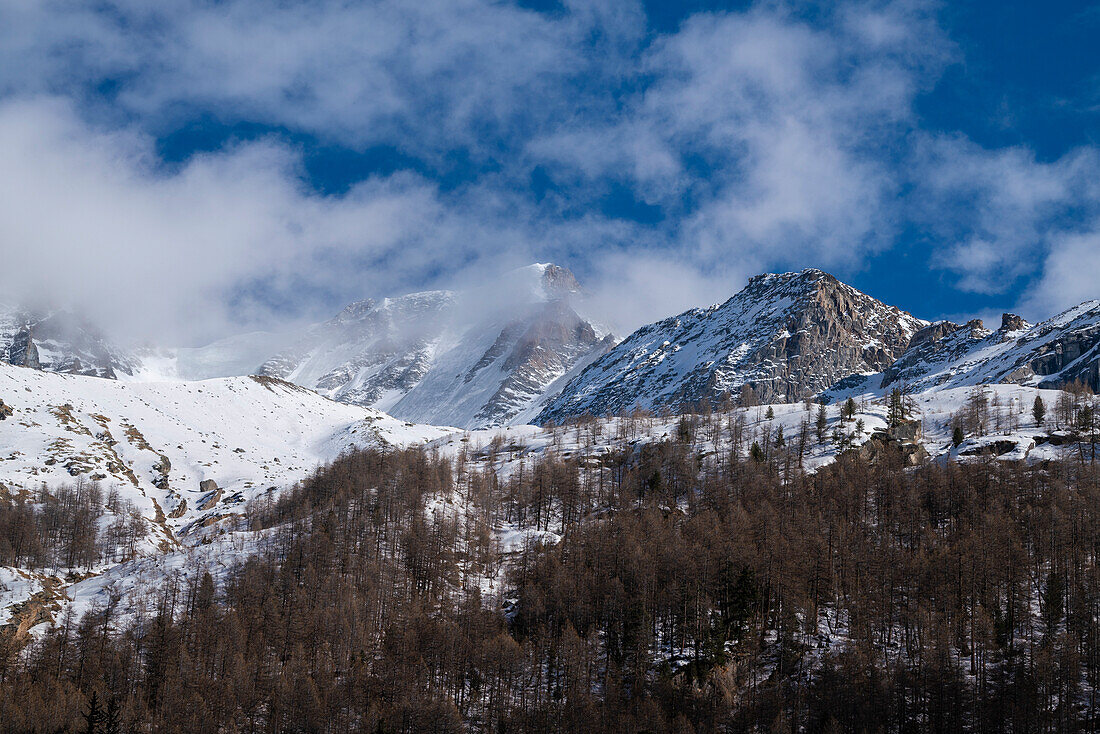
{"x": 192, "y": 438}
{"x": 524, "y": 350}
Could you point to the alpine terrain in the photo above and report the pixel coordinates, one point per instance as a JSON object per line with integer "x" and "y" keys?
{"x": 447, "y": 357}
{"x": 59, "y": 341}
{"x": 786, "y": 336}
{"x": 1050, "y": 354}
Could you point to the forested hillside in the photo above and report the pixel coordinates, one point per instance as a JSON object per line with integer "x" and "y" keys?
{"x": 716, "y": 595}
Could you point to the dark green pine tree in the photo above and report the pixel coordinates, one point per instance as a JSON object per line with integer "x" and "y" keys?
{"x": 849, "y": 409}
{"x": 94, "y": 717}
{"x": 1039, "y": 410}
{"x": 897, "y": 407}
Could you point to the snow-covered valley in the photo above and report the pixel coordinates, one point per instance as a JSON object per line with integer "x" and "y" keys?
{"x": 189, "y": 456}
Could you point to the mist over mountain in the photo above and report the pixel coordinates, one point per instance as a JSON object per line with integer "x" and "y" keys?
{"x": 524, "y": 349}
{"x": 471, "y": 359}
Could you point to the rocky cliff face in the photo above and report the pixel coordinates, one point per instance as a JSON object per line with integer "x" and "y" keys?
{"x": 787, "y": 336}
{"x": 59, "y": 341}
{"x": 472, "y": 359}
{"x": 1049, "y": 354}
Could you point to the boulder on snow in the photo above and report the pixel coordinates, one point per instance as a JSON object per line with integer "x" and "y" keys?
{"x": 995, "y": 446}
{"x": 5, "y": 410}
{"x": 212, "y": 496}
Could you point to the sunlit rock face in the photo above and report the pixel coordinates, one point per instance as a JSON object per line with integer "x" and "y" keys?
{"x": 787, "y": 336}
{"x": 1050, "y": 354}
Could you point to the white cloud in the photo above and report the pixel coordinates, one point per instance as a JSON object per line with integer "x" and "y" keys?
{"x": 425, "y": 76}
{"x": 1071, "y": 274}
{"x": 636, "y": 288}
{"x": 1001, "y": 212}
{"x": 766, "y": 141}
{"x": 766, "y": 138}
{"x": 88, "y": 217}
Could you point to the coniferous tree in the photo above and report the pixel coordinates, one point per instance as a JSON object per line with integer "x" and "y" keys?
{"x": 1038, "y": 410}
{"x": 112, "y": 722}
{"x": 93, "y": 717}
{"x": 849, "y": 409}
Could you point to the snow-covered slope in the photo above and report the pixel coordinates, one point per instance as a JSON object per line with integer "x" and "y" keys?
{"x": 248, "y": 434}
{"x": 944, "y": 355}
{"x": 157, "y": 441}
{"x": 787, "y": 336}
{"x": 472, "y": 359}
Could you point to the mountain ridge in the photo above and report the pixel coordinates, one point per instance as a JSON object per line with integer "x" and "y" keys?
{"x": 787, "y": 336}
{"x": 520, "y": 350}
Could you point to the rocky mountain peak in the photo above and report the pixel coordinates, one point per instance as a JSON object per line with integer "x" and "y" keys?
{"x": 558, "y": 282}
{"x": 1012, "y": 322}
{"x": 472, "y": 358}
{"x": 786, "y": 335}
{"x": 1049, "y": 354}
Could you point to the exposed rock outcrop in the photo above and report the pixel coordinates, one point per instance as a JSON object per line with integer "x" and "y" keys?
{"x": 1050, "y": 354}
{"x": 904, "y": 438}
{"x": 787, "y": 336}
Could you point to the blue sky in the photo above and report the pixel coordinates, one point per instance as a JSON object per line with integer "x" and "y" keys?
{"x": 241, "y": 164}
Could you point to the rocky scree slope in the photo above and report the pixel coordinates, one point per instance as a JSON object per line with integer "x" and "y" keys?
{"x": 787, "y": 336}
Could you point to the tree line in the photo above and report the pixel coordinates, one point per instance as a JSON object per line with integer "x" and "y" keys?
{"x": 680, "y": 592}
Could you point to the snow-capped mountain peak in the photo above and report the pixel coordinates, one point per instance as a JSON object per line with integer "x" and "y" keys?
{"x": 473, "y": 358}
{"x": 787, "y": 335}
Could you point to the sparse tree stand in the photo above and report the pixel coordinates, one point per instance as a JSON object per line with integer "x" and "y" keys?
{"x": 897, "y": 410}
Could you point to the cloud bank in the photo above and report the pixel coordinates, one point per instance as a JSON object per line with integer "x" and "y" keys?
{"x": 663, "y": 168}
